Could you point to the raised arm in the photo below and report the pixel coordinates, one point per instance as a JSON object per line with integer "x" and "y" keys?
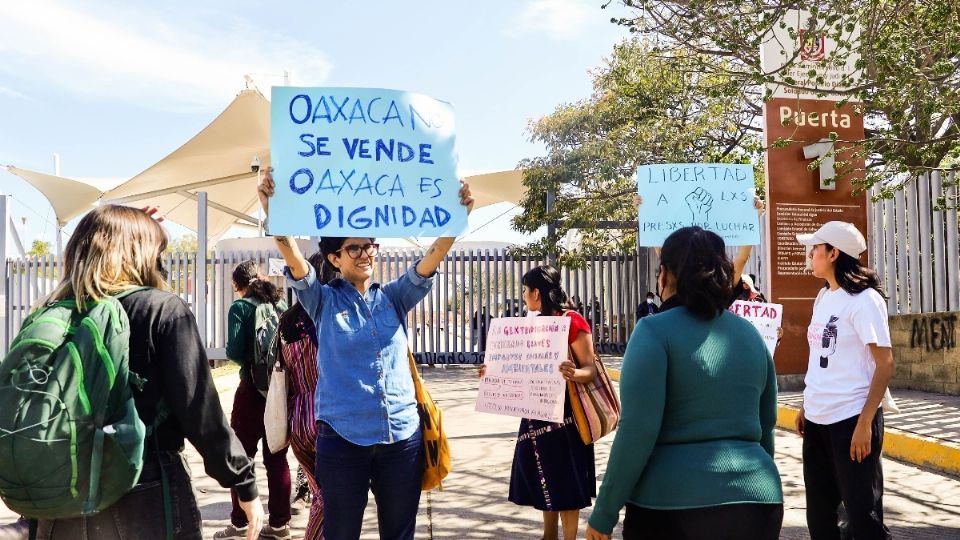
{"x": 299, "y": 267}
{"x": 438, "y": 250}
{"x": 740, "y": 261}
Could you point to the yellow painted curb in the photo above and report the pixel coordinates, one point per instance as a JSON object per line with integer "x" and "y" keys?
{"x": 915, "y": 449}
{"x": 614, "y": 374}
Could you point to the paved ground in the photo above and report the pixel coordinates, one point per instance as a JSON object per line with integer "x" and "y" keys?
{"x": 919, "y": 504}
{"x": 936, "y": 416}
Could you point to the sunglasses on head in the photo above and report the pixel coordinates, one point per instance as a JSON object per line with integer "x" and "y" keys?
{"x": 354, "y": 250}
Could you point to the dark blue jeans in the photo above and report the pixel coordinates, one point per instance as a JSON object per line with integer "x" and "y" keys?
{"x": 345, "y": 471}
{"x": 138, "y": 515}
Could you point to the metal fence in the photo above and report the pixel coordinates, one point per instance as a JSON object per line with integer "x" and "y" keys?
{"x": 915, "y": 248}
{"x": 446, "y": 327}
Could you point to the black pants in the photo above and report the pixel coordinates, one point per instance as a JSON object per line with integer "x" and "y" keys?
{"x": 726, "y": 522}
{"x": 138, "y": 515}
{"x": 831, "y": 477}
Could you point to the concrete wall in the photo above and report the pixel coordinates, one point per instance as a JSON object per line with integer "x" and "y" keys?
{"x": 925, "y": 352}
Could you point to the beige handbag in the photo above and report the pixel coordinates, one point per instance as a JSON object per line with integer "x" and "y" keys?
{"x": 275, "y": 421}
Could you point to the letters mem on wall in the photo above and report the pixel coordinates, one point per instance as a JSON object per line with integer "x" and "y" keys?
{"x": 363, "y": 162}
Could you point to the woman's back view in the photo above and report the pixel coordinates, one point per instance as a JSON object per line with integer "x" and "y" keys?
{"x": 116, "y": 251}
{"x": 700, "y": 386}
{"x": 693, "y": 456}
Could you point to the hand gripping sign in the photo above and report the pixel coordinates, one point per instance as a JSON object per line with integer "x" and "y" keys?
{"x": 363, "y": 162}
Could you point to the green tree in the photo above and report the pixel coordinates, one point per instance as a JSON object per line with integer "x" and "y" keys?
{"x": 646, "y": 107}
{"x": 909, "y": 60}
{"x": 39, "y": 248}
{"x": 184, "y": 244}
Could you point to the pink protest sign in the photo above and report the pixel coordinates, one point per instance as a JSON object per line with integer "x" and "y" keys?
{"x": 766, "y": 318}
{"x": 523, "y": 356}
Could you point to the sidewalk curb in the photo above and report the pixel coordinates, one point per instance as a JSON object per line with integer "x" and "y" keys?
{"x": 916, "y": 449}
{"x": 911, "y": 448}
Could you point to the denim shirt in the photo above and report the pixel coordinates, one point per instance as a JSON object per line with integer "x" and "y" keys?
{"x": 364, "y": 387}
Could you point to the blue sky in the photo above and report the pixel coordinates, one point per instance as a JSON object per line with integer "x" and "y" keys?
{"x": 112, "y": 87}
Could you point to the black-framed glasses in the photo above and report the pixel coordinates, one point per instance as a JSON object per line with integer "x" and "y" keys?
{"x": 354, "y": 250}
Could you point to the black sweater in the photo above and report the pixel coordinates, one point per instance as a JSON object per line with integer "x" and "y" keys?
{"x": 165, "y": 348}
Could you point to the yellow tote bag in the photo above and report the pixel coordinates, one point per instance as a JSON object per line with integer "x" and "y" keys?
{"x": 436, "y": 451}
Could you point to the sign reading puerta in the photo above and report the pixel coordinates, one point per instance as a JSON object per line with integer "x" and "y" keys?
{"x": 799, "y": 200}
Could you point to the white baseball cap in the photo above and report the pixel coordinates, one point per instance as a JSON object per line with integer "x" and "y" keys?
{"x": 839, "y": 234}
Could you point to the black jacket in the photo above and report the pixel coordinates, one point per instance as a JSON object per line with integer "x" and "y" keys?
{"x": 165, "y": 348}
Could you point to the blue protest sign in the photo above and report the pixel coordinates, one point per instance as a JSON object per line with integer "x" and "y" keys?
{"x": 363, "y": 162}
{"x": 717, "y": 197}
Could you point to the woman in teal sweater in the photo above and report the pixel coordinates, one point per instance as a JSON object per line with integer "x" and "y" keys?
{"x": 693, "y": 454}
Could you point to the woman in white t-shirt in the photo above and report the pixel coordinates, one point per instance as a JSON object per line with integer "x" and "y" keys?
{"x": 851, "y": 363}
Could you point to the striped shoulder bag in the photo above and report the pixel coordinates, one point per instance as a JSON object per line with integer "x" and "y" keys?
{"x": 596, "y": 406}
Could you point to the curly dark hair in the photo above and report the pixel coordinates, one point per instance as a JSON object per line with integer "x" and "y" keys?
{"x": 698, "y": 260}
{"x": 852, "y": 276}
{"x": 546, "y": 279}
{"x": 331, "y": 244}
{"x": 247, "y": 276}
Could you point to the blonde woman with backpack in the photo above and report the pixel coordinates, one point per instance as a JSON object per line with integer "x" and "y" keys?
{"x": 116, "y": 251}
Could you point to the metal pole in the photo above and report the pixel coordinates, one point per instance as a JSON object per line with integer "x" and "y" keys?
{"x": 60, "y": 225}
{"x": 16, "y": 237}
{"x": 4, "y": 315}
{"x": 200, "y": 267}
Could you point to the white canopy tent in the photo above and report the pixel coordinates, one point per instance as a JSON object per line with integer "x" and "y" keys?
{"x": 493, "y": 188}
{"x": 216, "y": 161}
{"x": 69, "y": 197}
{"x": 206, "y": 184}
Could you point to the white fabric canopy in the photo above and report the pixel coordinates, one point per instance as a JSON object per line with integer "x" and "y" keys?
{"x": 69, "y": 197}
{"x": 492, "y": 188}
{"x": 217, "y": 161}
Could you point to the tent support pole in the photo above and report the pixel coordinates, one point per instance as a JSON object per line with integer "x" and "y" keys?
{"x": 5, "y": 223}
{"x": 200, "y": 268}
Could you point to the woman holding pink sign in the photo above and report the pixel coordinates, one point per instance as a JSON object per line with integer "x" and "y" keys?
{"x": 553, "y": 470}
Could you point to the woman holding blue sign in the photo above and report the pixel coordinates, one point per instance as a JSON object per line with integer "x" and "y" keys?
{"x": 368, "y": 427}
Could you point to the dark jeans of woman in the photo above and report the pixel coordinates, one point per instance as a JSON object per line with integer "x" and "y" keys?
{"x": 345, "y": 471}
{"x": 138, "y": 515}
{"x": 830, "y": 476}
{"x": 247, "y": 423}
{"x": 744, "y": 521}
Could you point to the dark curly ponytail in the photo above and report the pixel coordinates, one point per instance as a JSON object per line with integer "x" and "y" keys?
{"x": 546, "y": 279}
{"x": 698, "y": 260}
{"x": 247, "y": 276}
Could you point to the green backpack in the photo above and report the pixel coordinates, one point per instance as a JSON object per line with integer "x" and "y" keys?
{"x": 266, "y": 321}
{"x": 71, "y": 441}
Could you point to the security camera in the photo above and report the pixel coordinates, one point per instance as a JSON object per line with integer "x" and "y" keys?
{"x": 255, "y": 164}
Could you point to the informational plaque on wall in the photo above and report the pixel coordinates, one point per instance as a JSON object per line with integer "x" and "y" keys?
{"x": 801, "y": 218}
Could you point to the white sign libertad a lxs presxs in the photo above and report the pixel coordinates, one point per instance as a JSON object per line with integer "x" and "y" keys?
{"x": 523, "y": 359}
